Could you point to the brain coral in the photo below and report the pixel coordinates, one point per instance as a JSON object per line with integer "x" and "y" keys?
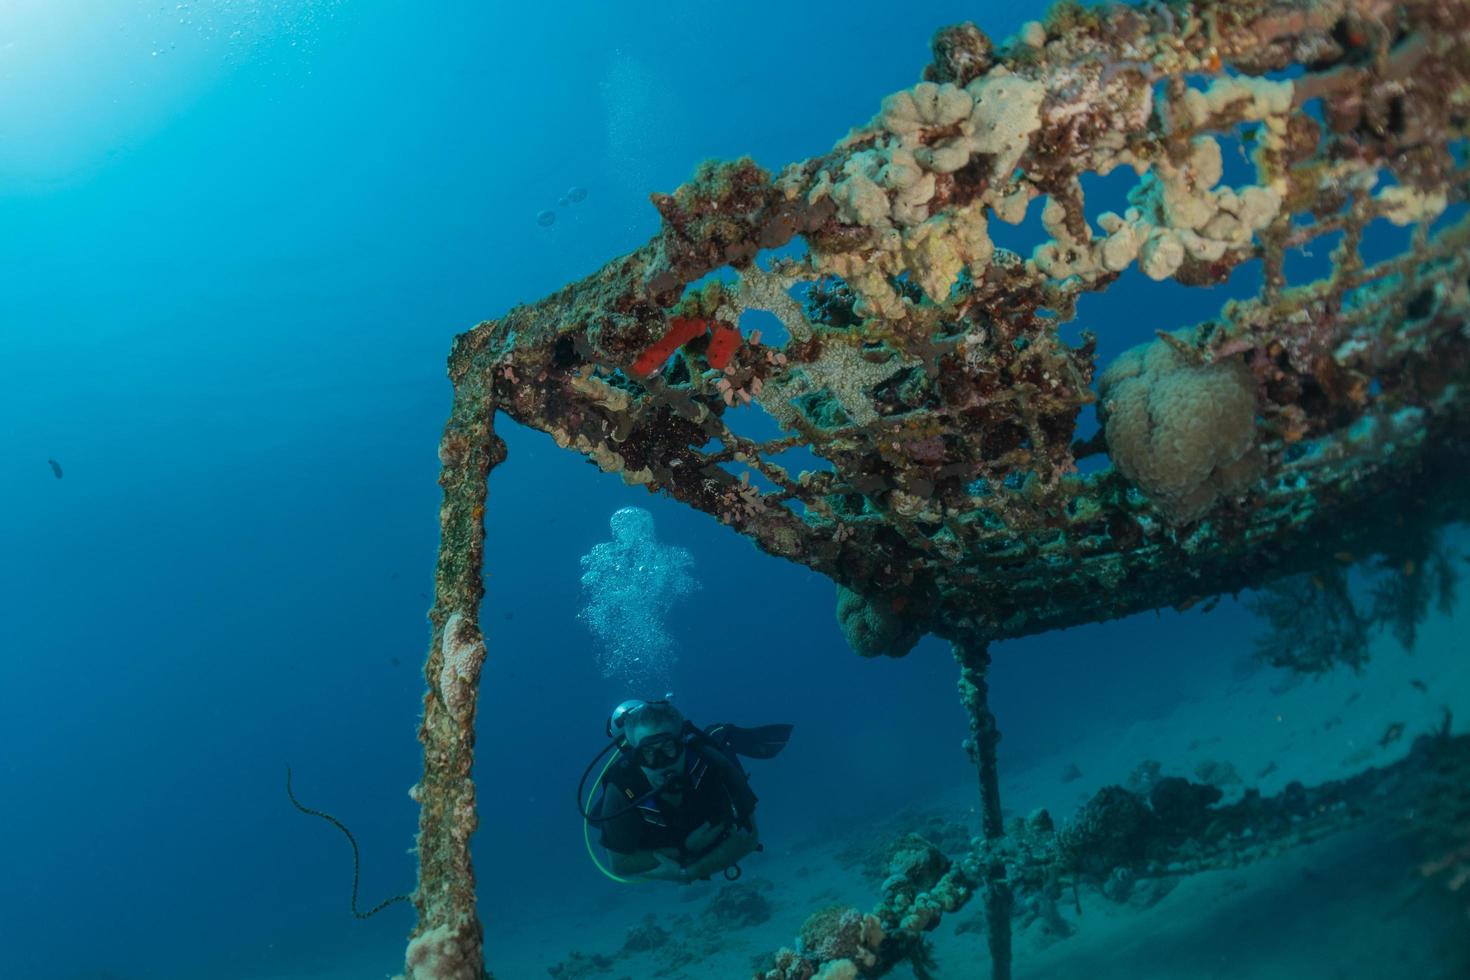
{"x": 1185, "y": 433}
{"x": 873, "y": 628}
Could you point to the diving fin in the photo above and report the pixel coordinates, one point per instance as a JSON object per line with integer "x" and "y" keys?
{"x": 765, "y": 742}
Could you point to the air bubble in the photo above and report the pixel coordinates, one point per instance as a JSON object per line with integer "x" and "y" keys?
{"x": 629, "y": 584}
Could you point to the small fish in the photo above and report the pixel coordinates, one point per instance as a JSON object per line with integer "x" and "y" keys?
{"x": 55, "y": 468}
{"x": 546, "y": 218}
{"x": 1392, "y": 735}
{"x": 1419, "y": 685}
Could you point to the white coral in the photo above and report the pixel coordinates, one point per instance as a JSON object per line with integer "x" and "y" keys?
{"x": 443, "y": 953}
{"x": 463, "y": 654}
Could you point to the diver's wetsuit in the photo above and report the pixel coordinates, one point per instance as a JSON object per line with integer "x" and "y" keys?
{"x": 716, "y": 792}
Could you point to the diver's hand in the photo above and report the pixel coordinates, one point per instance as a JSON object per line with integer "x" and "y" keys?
{"x": 729, "y": 851}
{"x": 702, "y": 838}
{"x": 667, "y": 869}
{"x": 740, "y": 843}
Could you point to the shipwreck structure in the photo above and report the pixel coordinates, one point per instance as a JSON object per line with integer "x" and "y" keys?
{"x": 924, "y": 365}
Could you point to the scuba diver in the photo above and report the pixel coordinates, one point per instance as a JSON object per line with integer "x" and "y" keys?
{"x": 676, "y": 804}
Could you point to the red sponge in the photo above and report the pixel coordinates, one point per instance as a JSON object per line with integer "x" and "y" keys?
{"x": 682, "y": 329}
{"x": 723, "y": 342}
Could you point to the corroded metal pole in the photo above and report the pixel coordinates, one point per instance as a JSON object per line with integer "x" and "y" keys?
{"x": 974, "y": 660}
{"x": 447, "y": 942}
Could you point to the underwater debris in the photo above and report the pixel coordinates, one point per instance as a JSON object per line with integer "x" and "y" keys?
{"x": 356, "y": 855}
{"x": 932, "y": 379}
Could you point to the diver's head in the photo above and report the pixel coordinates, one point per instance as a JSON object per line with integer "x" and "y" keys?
{"x": 654, "y": 734}
{"x": 615, "y": 720}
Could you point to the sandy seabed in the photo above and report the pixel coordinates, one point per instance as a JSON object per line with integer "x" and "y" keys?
{"x": 1351, "y": 906}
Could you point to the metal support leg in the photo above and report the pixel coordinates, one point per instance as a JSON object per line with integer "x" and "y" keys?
{"x": 447, "y": 941}
{"x": 974, "y": 660}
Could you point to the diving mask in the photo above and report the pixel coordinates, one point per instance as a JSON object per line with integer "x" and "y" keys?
{"x": 659, "y": 751}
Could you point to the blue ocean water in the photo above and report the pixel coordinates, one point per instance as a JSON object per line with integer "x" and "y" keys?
{"x": 236, "y": 239}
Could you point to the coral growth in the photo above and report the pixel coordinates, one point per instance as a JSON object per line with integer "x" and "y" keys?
{"x": 1183, "y": 431}
{"x": 836, "y": 943}
{"x": 1316, "y": 623}
{"x": 446, "y": 952}
{"x": 645, "y": 937}
{"x": 1113, "y": 829}
{"x": 739, "y": 905}
{"x": 918, "y": 863}
{"x": 872, "y": 627}
{"x": 1314, "y": 626}
{"x": 463, "y": 656}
